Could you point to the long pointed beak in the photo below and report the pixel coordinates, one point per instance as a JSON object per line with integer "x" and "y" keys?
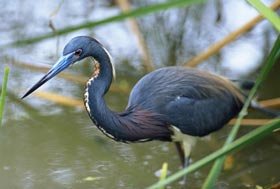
{"x": 63, "y": 63}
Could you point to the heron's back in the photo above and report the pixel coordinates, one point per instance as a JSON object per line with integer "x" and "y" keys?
{"x": 194, "y": 101}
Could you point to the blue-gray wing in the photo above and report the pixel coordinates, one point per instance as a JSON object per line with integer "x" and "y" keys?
{"x": 200, "y": 117}
{"x": 196, "y": 102}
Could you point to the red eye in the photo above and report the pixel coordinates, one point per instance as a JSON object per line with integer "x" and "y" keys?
{"x": 78, "y": 52}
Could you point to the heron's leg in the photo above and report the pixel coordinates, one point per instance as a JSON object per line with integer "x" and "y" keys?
{"x": 183, "y": 143}
{"x": 181, "y": 152}
{"x": 187, "y": 147}
{"x": 184, "y": 159}
{"x": 184, "y": 147}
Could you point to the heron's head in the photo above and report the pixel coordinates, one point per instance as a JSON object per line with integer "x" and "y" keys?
{"x": 77, "y": 49}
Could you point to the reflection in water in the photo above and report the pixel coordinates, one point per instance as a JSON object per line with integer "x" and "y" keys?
{"x": 126, "y": 153}
{"x": 64, "y": 176}
{"x": 28, "y": 180}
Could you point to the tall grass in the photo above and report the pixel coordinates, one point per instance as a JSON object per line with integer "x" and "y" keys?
{"x": 3, "y": 93}
{"x": 273, "y": 57}
{"x": 240, "y": 143}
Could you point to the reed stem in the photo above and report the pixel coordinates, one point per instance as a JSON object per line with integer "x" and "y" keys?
{"x": 3, "y": 93}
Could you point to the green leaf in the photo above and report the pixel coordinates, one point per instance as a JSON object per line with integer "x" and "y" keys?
{"x": 164, "y": 170}
{"x": 3, "y": 93}
{"x": 266, "y": 12}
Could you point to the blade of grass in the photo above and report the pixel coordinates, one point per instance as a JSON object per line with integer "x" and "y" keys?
{"x": 243, "y": 141}
{"x": 273, "y": 57}
{"x": 59, "y": 99}
{"x": 134, "y": 13}
{"x": 68, "y": 76}
{"x": 240, "y": 143}
{"x": 275, "y": 102}
{"x": 163, "y": 171}
{"x": 266, "y": 12}
{"x": 163, "y": 174}
{"x": 216, "y": 47}
{"x": 148, "y": 65}
{"x": 3, "y": 93}
{"x": 250, "y": 122}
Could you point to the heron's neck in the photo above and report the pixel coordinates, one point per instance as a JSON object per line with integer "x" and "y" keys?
{"x": 131, "y": 125}
{"x": 106, "y": 120}
{"x": 96, "y": 88}
{"x": 103, "y": 72}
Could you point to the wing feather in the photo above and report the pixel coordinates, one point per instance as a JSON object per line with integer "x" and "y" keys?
{"x": 194, "y": 101}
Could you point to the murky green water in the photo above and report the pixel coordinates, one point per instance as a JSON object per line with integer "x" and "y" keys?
{"x": 46, "y": 145}
{"x": 65, "y": 150}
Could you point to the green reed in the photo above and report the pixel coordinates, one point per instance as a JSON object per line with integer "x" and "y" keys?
{"x": 3, "y": 93}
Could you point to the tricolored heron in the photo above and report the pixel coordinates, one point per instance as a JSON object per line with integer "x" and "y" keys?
{"x": 168, "y": 104}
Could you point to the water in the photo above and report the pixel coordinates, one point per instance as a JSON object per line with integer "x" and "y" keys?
{"x": 67, "y": 151}
{"x": 47, "y": 145}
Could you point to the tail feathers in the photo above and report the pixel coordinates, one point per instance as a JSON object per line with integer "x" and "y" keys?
{"x": 245, "y": 85}
{"x": 266, "y": 111}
